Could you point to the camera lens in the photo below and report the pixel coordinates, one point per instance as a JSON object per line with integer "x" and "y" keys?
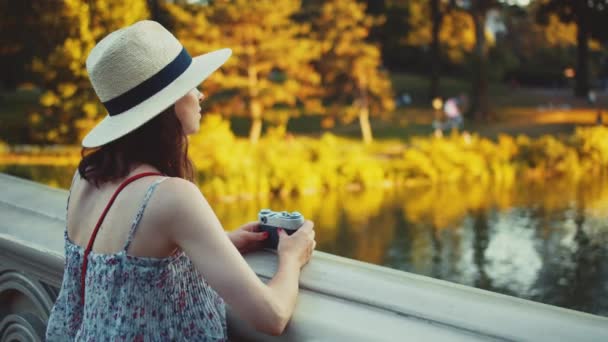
{"x": 264, "y": 219}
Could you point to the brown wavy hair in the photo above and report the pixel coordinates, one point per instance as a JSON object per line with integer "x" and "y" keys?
{"x": 160, "y": 142}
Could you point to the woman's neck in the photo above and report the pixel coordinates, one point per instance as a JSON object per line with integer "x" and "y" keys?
{"x": 139, "y": 168}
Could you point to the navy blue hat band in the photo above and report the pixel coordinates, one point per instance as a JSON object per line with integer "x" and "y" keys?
{"x": 151, "y": 86}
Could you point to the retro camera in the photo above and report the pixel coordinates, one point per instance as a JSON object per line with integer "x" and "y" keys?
{"x": 270, "y": 221}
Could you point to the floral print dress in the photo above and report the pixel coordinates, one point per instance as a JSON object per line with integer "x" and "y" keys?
{"x": 131, "y": 298}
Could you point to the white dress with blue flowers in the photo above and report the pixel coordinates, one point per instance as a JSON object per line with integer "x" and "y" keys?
{"x": 131, "y": 298}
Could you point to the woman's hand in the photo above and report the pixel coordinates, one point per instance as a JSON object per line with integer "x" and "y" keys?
{"x": 299, "y": 245}
{"x": 248, "y": 237}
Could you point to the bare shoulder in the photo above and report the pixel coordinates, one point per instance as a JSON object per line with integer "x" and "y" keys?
{"x": 178, "y": 193}
{"x": 179, "y": 187}
{"x": 178, "y": 200}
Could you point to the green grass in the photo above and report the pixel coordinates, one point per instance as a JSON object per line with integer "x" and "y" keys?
{"x": 418, "y": 86}
{"x": 500, "y": 94}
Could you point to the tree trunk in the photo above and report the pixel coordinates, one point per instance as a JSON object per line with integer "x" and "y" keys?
{"x": 154, "y": 10}
{"x": 480, "y": 246}
{"x": 256, "y": 124}
{"x": 255, "y": 107}
{"x": 582, "y": 59}
{"x": 435, "y": 56}
{"x": 366, "y": 128}
{"x": 480, "y": 106}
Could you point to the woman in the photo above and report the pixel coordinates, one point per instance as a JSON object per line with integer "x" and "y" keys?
{"x": 146, "y": 257}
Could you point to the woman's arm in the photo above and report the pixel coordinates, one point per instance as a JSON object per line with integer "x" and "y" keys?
{"x": 231, "y": 237}
{"x": 196, "y": 229}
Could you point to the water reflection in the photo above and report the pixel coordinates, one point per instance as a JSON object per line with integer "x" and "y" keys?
{"x": 512, "y": 260}
{"x": 544, "y": 242}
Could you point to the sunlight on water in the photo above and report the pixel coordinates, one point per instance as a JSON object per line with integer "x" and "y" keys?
{"x": 511, "y": 257}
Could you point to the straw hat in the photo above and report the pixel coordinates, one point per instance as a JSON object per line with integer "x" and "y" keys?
{"x": 138, "y": 72}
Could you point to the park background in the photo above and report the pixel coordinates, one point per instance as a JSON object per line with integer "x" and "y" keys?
{"x": 326, "y": 107}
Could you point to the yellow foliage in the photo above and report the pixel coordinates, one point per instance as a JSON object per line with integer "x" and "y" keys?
{"x": 51, "y": 135}
{"x": 457, "y": 167}
{"x": 90, "y": 109}
{"x": 4, "y": 147}
{"x": 232, "y": 169}
{"x": 49, "y": 99}
{"x": 558, "y": 33}
{"x": 34, "y": 118}
{"x": 456, "y": 36}
{"x": 69, "y": 98}
{"x": 349, "y": 63}
{"x": 270, "y": 66}
{"x": 67, "y": 89}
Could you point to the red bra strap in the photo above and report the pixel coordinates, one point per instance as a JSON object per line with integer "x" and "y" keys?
{"x": 85, "y": 260}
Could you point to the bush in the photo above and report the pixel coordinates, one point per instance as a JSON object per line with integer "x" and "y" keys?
{"x": 283, "y": 165}
{"x": 4, "y": 147}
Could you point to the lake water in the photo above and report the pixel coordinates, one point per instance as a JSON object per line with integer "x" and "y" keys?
{"x": 543, "y": 242}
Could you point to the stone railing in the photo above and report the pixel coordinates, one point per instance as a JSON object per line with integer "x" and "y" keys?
{"x": 340, "y": 299}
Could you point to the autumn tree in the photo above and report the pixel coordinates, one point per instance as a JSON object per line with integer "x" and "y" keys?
{"x": 590, "y": 17}
{"x": 388, "y": 35}
{"x": 354, "y": 84}
{"x": 69, "y": 107}
{"x": 478, "y": 10}
{"x": 439, "y": 9}
{"x": 445, "y": 29}
{"x": 541, "y": 52}
{"x": 155, "y": 11}
{"x": 436, "y": 18}
{"x": 269, "y": 74}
